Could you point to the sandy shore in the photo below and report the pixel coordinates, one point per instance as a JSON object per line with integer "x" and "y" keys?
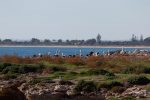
{"x": 71, "y": 46}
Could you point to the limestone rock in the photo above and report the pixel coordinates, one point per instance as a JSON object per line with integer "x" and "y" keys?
{"x": 135, "y": 91}
{"x": 61, "y": 88}
{"x": 9, "y": 90}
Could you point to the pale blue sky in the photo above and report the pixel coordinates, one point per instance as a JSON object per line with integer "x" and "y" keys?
{"x": 71, "y": 19}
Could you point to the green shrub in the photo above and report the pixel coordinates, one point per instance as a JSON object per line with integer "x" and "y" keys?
{"x": 39, "y": 80}
{"x": 22, "y": 69}
{"x": 70, "y": 75}
{"x": 129, "y": 98}
{"x": 29, "y": 68}
{"x": 128, "y": 70}
{"x": 147, "y": 87}
{"x": 5, "y": 71}
{"x": 58, "y": 74}
{"x": 137, "y": 70}
{"x": 10, "y": 76}
{"x": 109, "y": 85}
{"x": 118, "y": 89}
{"x": 113, "y": 98}
{"x": 3, "y": 66}
{"x": 147, "y": 70}
{"x": 58, "y": 69}
{"x": 35, "y": 81}
{"x": 53, "y": 69}
{"x": 110, "y": 77}
{"x": 7, "y": 64}
{"x": 97, "y": 72}
{"x": 86, "y": 86}
{"x": 109, "y": 74}
{"x": 11, "y": 69}
{"x": 82, "y": 73}
{"x": 138, "y": 80}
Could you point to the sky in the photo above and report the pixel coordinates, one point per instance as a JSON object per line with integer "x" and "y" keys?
{"x": 74, "y": 19}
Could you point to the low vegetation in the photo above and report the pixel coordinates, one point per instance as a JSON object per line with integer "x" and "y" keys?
{"x": 39, "y": 80}
{"x": 90, "y": 74}
{"x": 138, "y": 80}
{"x": 137, "y": 70}
{"x": 20, "y": 68}
{"x": 109, "y": 85}
{"x": 85, "y": 86}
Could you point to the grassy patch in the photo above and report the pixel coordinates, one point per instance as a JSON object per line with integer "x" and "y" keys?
{"x": 85, "y": 86}
{"x": 109, "y": 85}
{"x": 39, "y": 80}
{"x": 137, "y": 70}
{"x": 138, "y": 80}
{"x": 10, "y": 76}
{"x": 96, "y": 72}
{"x": 22, "y": 69}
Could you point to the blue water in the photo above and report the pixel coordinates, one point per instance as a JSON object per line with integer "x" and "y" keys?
{"x": 29, "y": 51}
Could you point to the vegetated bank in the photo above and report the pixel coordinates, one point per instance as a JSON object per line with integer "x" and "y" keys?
{"x": 117, "y": 77}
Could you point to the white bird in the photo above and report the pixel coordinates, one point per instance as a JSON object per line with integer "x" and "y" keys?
{"x": 80, "y": 52}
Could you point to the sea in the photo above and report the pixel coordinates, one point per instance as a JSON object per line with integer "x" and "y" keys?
{"x": 30, "y": 51}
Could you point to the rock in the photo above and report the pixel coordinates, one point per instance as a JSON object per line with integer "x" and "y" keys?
{"x": 70, "y": 93}
{"x": 135, "y": 91}
{"x": 9, "y": 91}
{"x": 23, "y": 87}
{"x": 17, "y": 90}
{"x": 103, "y": 90}
{"x": 61, "y": 88}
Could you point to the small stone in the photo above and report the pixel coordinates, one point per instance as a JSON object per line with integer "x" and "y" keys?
{"x": 60, "y": 88}
{"x": 70, "y": 93}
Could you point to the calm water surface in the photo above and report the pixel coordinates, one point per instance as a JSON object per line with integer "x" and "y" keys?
{"x": 29, "y": 51}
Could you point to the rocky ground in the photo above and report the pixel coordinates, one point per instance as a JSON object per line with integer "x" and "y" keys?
{"x": 54, "y": 90}
{"x": 59, "y": 89}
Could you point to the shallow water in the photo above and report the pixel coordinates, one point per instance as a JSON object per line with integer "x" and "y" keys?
{"x": 29, "y": 51}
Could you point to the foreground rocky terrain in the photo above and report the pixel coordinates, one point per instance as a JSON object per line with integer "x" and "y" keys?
{"x": 53, "y": 90}
{"x": 59, "y": 89}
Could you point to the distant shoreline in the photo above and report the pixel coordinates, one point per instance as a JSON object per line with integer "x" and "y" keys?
{"x": 71, "y": 46}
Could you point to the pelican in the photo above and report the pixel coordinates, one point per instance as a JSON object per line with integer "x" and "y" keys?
{"x": 80, "y": 52}
{"x": 122, "y": 51}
